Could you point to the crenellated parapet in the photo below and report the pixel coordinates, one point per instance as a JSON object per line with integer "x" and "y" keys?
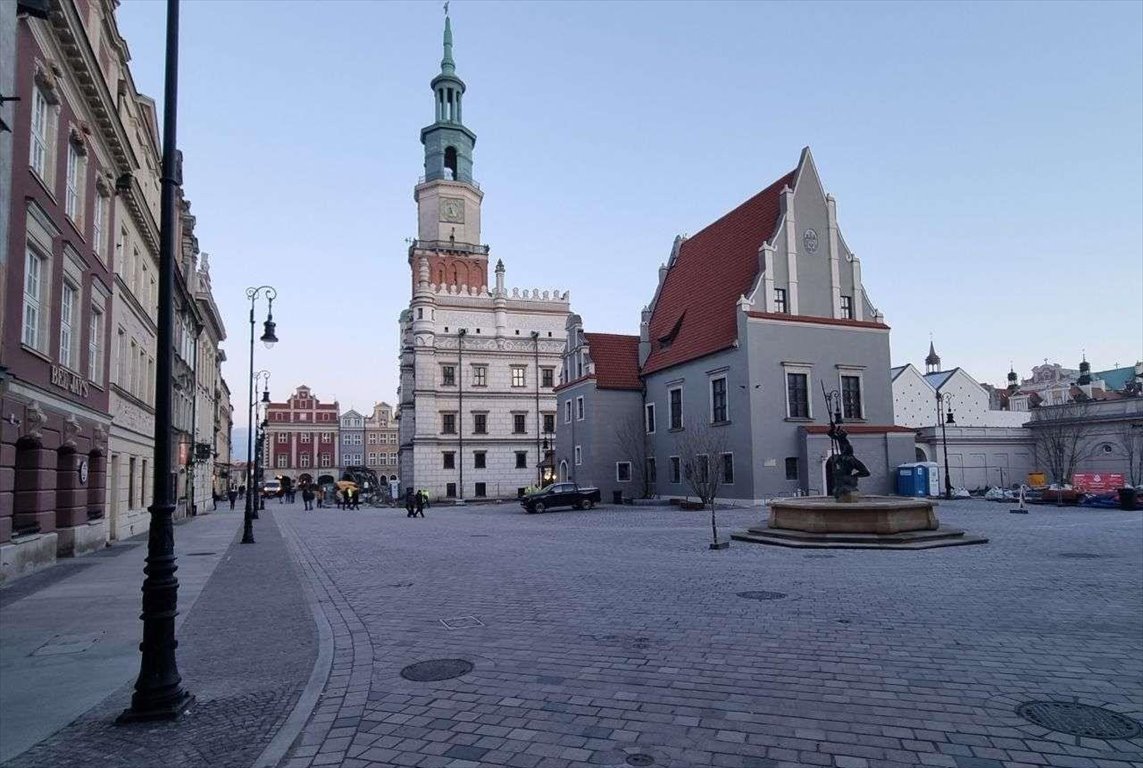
{"x": 516, "y": 294}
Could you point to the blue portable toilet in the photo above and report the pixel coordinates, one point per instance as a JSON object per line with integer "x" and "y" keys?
{"x": 912, "y": 480}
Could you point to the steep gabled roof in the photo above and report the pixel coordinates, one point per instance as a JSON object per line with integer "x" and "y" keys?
{"x": 616, "y": 360}
{"x": 695, "y": 312}
{"x": 938, "y": 379}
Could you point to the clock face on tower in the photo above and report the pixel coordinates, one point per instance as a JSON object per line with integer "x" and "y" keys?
{"x": 452, "y": 210}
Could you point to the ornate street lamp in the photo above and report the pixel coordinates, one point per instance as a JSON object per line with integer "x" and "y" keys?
{"x": 159, "y": 694}
{"x": 946, "y": 400}
{"x": 269, "y": 338}
{"x": 259, "y": 446}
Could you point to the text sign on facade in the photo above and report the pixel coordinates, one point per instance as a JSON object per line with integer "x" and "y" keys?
{"x": 1097, "y": 482}
{"x": 72, "y": 382}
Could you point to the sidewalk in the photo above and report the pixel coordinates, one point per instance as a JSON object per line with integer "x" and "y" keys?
{"x": 69, "y": 652}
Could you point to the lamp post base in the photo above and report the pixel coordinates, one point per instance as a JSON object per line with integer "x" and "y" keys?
{"x": 166, "y": 710}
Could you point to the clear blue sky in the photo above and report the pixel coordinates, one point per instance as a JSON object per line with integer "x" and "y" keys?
{"x": 987, "y": 160}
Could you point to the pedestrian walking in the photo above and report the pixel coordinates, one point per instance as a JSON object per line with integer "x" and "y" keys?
{"x": 420, "y": 504}
{"x": 409, "y": 502}
{"x": 307, "y": 498}
{"x": 242, "y": 491}
{"x": 320, "y": 496}
{"x": 355, "y": 496}
{"x": 233, "y": 495}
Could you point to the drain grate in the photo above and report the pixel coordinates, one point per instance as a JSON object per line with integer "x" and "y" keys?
{"x": 1079, "y": 719}
{"x": 763, "y": 595}
{"x": 640, "y": 759}
{"x": 435, "y": 670}
{"x": 199, "y": 554}
{"x": 1081, "y": 555}
{"x": 462, "y": 622}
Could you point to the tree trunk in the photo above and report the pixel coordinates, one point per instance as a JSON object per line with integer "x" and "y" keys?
{"x": 713, "y": 524}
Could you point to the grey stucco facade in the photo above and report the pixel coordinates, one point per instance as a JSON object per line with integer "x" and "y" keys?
{"x": 608, "y": 415}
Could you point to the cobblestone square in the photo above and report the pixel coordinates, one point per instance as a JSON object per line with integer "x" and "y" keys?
{"x": 615, "y": 637}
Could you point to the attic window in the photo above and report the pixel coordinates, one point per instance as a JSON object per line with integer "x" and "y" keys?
{"x": 668, "y": 338}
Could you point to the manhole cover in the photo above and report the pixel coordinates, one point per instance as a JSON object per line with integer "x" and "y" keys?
{"x": 640, "y": 758}
{"x": 436, "y": 669}
{"x": 1081, "y": 555}
{"x": 1079, "y": 719}
{"x": 199, "y": 554}
{"x": 762, "y": 595}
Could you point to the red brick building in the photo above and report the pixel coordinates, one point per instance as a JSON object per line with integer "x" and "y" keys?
{"x": 70, "y": 151}
{"x": 302, "y": 438}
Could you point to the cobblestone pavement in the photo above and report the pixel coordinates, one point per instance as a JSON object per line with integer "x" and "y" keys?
{"x": 615, "y": 637}
{"x": 246, "y": 650}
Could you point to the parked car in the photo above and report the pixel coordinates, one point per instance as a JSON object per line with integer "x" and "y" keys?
{"x": 560, "y": 495}
{"x": 271, "y": 488}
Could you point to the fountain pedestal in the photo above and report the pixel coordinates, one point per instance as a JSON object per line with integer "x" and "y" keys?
{"x": 867, "y": 522}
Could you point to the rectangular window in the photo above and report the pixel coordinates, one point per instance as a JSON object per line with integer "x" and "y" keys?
{"x": 567, "y": 411}
{"x": 73, "y": 194}
{"x": 649, "y": 418}
{"x": 780, "y": 300}
{"x": 480, "y": 423}
{"x": 448, "y": 423}
{"x": 304, "y": 460}
{"x": 519, "y": 425}
{"x": 131, "y": 482}
{"x": 481, "y": 490}
{"x": 326, "y": 460}
{"x": 701, "y": 467}
{"x": 676, "y": 395}
{"x": 547, "y": 377}
{"x": 95, "y": 347}
{"x": 479, "y": 459}
{"x": 283, "y": 438}
{"x": 791, "y": 467}
{"x": 120, "y": 359}
{"x": 847, "y": 307}
{"x": 728, "y": 468}
{"x": 34, "y": 282}
{"x": 282, "y": 460}
{"x": 851, "y": 397}
{"x": 549, "y": 423}
{"x": 372, "y": 438}
{"x": 519, "y": 375}
{"x": 67, "y": 325}
{"x": 305, "y": 437}
{"x": 579, "y": 413}
{"x": 521, "y": 459}
{"x": 718, "y": 410}
{"x": 448, "y": 375}
{"x": 450, "y": 490}
{"x": 98, "y": 223}
{"x": 448, "y": 460}
{"x": 652, "y": 471}
{"x": 676, "y": 473}
{"x": 372, "y": 457}
{"x": 41, "y": 114}
{"x": 798, "y": 395}
{"x": 578, "y": 456}
{"x": 480, "y": 375}
{"x": 622, "y": 471}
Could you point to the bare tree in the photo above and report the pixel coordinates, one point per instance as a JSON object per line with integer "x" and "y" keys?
{"x": 701, "y": 449}
{"x": 1062, "y": 437}
{"x": 1130, "y": 439}
{"x": 631, "y": 438}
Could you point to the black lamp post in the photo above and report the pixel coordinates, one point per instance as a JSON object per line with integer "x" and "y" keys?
{"x": 159, "y": 694}
{"x": 269, "y": 338}
{"x": 259, "y": 441}
{"x": 946, "y": 400}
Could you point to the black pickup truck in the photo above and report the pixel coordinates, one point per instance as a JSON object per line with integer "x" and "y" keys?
{"x": 560, "y": 495}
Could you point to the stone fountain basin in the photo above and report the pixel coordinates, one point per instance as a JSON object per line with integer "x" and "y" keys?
{"x": 868, "y": 514}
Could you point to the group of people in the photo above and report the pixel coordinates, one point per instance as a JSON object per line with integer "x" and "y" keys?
{"x": 234, "y": 494}
{"x": 415, "y": 503}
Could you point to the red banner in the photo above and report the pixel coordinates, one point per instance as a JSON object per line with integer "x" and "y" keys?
{"x": 1097, "y": 482}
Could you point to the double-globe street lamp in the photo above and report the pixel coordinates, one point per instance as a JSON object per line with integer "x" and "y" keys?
{"x": 944, "y": 403}
{"x": 269, "y": 338}
{"x": 259, "y": 440}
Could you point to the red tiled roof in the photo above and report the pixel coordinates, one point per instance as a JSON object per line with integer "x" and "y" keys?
{"x": 616, "y": 359}
{"x": 696, "y": 306}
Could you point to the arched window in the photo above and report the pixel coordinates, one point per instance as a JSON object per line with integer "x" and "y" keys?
{"x": 450, "y": 162}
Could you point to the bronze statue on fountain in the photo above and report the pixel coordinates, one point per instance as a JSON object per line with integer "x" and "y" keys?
{"x": 844, "y": 468}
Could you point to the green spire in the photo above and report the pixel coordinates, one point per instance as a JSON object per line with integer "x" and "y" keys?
{"x": 448, "y": 66}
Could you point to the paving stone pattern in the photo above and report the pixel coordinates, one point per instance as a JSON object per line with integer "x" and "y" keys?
{"x": 245, "y": 651}
{"x": 611, "y": 636}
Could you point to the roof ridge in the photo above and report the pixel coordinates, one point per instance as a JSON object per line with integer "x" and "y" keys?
{"x": 787, "y": 177}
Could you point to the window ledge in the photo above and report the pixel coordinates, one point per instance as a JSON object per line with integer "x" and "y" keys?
{"x": 800, "y": 419}
{"x": 675, "y": 429}
{"x": 727, "y": 422}
{"x": 37, "y": 353}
